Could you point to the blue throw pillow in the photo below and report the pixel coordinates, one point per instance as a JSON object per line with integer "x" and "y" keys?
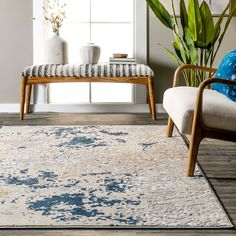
{"x": 227, "y": 70}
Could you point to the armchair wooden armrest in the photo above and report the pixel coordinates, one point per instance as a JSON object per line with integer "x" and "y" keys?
{"x": 199, "y": 130}
{"x": 183, "y": 67}
{"x": 199, "y": 102}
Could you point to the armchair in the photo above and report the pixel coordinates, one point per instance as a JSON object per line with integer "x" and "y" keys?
{"x": 199, "y": 112}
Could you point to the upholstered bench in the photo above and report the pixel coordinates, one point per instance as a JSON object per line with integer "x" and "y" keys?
{"x": 118, "y": 73}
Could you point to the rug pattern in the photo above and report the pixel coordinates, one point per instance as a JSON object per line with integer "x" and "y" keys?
{"x": 101, "y": 176}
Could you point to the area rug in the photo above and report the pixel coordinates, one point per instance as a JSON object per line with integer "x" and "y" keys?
{"x": 101, "y": 176}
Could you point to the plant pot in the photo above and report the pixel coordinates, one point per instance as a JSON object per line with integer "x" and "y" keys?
{"x": 90, "y": 53}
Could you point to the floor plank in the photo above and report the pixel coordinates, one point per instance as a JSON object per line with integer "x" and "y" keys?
{"x": 217, "y": 159}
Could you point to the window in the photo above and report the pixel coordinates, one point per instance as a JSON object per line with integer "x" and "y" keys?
{"x": 99, "y": 22}
{"x": 111, "y": 24}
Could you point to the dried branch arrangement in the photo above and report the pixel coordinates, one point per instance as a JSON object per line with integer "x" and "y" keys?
{"x": 54, "y": 14}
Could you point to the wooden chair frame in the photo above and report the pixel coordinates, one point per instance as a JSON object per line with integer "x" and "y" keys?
{"x": 28, "y": 82}
{"x": 199, "y": 129}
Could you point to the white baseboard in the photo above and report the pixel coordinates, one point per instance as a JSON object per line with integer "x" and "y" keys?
{"x": 9, "y": 107}
{"x": 74, "y": 108}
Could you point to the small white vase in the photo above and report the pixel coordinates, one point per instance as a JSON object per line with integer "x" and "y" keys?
{"x": 90, "y": 53}
{"x": 56, "y": 50}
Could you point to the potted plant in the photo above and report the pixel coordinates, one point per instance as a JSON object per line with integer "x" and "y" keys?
{"x": 197, "y": 38}
{"x": 56, "y": 47}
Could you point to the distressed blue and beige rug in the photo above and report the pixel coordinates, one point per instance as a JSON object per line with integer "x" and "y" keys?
{"x": 101, "y": 176}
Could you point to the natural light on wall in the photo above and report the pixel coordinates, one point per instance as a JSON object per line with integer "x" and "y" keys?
{"x": 109, "y": 24}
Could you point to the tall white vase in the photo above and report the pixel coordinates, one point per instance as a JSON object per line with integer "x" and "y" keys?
{"x": 56, "y": 50}
{"x": 90, "y": 53}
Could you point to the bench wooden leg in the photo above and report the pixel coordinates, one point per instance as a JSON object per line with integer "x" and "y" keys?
{"x": 151, "y": 96}
{"x": 22, "y": 97}
{"x": 170, "y": 127}
{"x": 149, "y": 103}
{"x": 28, "y": 96}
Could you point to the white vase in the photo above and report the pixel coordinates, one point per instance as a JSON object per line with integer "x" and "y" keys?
{"x": 90, "y": 53}
{"x": 56, "y": 50}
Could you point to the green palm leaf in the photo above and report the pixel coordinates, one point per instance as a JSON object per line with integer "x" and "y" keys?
{"x": 208, "y": 30}
{"x": 194, "y": 19}
{"x": 173, "y": 56}
{"x": 183, "y": 14}
{"x": 219, "y": 22}
{"x": 193, "y": 52}
{"x": 231, "y": 14}
{"x": 180, "y": 50}
{"x": 161, "y": 13}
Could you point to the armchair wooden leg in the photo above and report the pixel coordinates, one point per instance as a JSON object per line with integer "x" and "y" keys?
{"x": 170, "y": 127}
{"x": 22, "y": 97}
{"x": 28, "y": 96}
{"x": 151, "y": 96}
{"x": 195, "y": 140}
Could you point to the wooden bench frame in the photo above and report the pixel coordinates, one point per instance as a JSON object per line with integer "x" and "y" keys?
{"x": 28, "y": 81}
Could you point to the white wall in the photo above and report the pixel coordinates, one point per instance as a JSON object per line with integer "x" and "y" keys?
{"x": 16, "y": 46}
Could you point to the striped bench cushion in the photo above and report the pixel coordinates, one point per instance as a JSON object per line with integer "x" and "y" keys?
{"x": 96, "y": 70}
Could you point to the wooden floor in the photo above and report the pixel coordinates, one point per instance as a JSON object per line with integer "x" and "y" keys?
{"x": 217, "y": 159}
